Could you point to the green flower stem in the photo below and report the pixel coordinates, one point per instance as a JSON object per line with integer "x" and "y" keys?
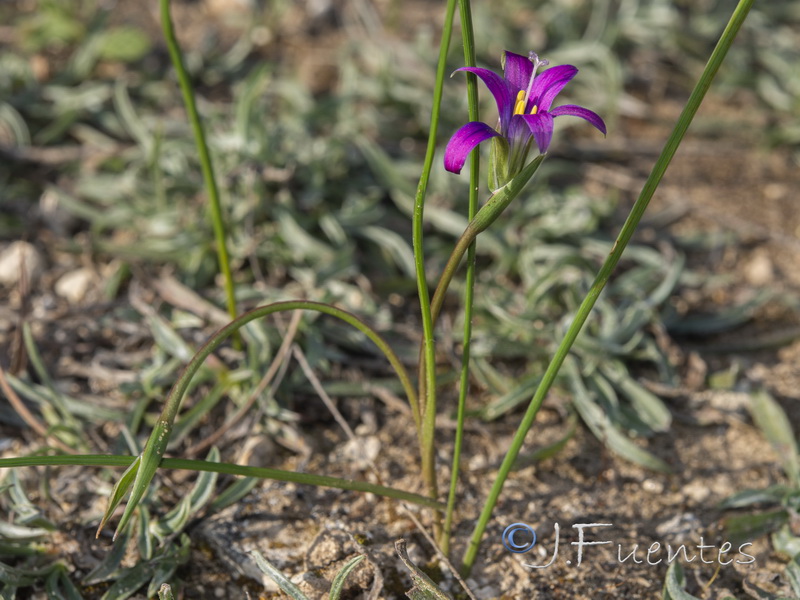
{"x": 157, "y": 443}
{"x": 695, "y": 99}
{"x": 487, "y": 215}
{"x": 427, "y": 379}
{"x": 205, "y": 156}
{"x": 468, "y": 40}
{"x": 104, "y": 460}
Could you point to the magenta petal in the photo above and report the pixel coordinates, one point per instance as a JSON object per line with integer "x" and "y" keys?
{"x": 548, "y": 84}
{"x": 583, "y": 113}
{"x": 518, "y": 70}
{"x": 518, "y": 132}
{"x": 463, "y": 142}
{"x": 541, "y": 126}
{"x": 499, "y": 88}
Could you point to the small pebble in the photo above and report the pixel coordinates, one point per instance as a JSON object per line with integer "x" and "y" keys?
{"x": 73, "y": 286}
{"x": 653, "y": 486}
{"x": 758, "y": 270}
{"x": 697, "y": 491}
{"x": 14, "y": 256}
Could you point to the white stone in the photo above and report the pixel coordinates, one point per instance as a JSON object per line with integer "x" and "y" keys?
{"x": 14, "y": 256}
{"x": 73, "y": 286}
{"x": 758, "y": 270}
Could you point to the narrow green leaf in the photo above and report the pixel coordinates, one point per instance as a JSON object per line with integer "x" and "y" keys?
{"x": 204, "y": 154}
{"x": 67, "y": 589}
{"x": 12, "y": 576}
{"x": 283, "y": 582}
{"x": 18, "y": 533}
{"x": 233, "y": 493}
{"x": 513, "y": 398}
{"x": 786, "y": 542}
{"x": 102, "y": 460}
{"x": 164, "y": 567}
{"x": 424, "y": 588}
{"x": 649, "y": 407}
{"x": 130, "y": 120}
{"x": 675, "y": 582}
{"x": 772, "y": 420}
{"x": 168, "y": 340}
{"x": 150, "y": 459}
{"x": 144, "y": 537}
{"x": 604, "y": 429}
{"x": 393, "y": 244}
{"x": 125, "y": 44}
{"x": 189, "y": 418}
{"x": 743, "y": 528}
{"x": 204, "y": 486}
{"x": 111, "y": 562}
{"x": 771, "y": 495}
{"x": 175, "y": 520}
{"x": 129, "y": 582}
{"x": 8, "y": 592}
{"x": 119, "y": 491}
{"x": 793, "y": 575}
{"x": 722, "y": 320}
{"x": 338, "y": 582}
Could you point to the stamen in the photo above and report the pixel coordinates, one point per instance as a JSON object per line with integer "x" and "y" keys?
{"x": 534, "y": 110}
{"x": 519, "y": 105}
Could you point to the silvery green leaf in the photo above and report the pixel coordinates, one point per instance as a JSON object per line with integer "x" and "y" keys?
{"x": 605, "y": 430}
{"x": 338, "y": 582}
{"x": 128, "y": 582}
{"x": 771, "y": 495}
{"x": 283, "y": 582}
{"x": 675, "y": 583}
{"x": 742, "y": 528}
{"x": 793, "y": 575}
{"x": 649, "y": 407}
{"x": 772, "y": 420}
{"x": 786, "y": 542}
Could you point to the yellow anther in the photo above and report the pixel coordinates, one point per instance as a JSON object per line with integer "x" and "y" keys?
{"x": 534, "y": 110}
{"x": 519, "y": 106}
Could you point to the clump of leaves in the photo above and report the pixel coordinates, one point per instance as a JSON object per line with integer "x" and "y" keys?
{"x": 294, "y": 592}
{"x": 780, "y": 504}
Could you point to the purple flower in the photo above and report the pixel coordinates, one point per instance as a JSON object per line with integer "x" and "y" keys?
{"x": 524, "y": 101}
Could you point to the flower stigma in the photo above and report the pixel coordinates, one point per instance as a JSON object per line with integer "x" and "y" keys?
{"x": 524, "y": 95}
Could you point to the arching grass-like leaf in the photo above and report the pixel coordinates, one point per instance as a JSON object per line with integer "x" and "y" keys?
{"x": 338, "y": 582}
{"x": 602, "y": 426}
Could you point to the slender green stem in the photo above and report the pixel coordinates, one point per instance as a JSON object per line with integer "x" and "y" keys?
{"x": 205, "y": 156}
{"x": 488, "y": 213}
{"x": 427, "y": 379}
{"x": 105, "y": 460}
{"x": 468, "y": 39}
{"x": 695, "y": 99}
{"x": 159, "y": 438}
